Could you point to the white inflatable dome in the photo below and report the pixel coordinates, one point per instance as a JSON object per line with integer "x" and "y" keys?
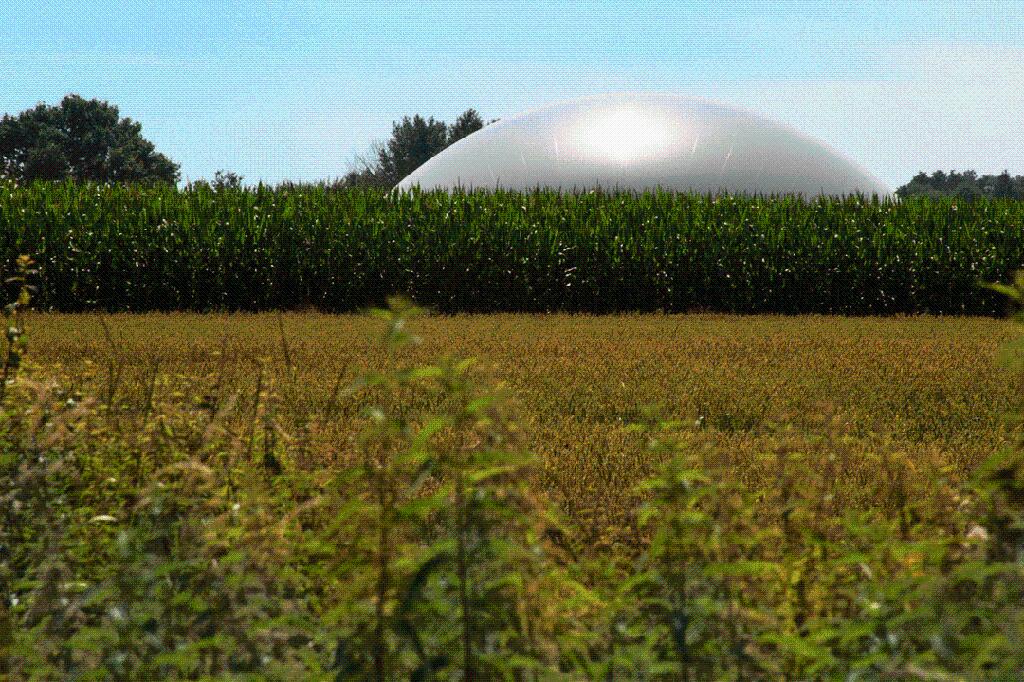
{"x": 637, "y": 141}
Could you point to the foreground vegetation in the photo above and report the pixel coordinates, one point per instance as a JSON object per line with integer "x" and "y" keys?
{"x": 120, "y": 248}
{"x": 928, "y": 392}
{"x": 254, "y": 513}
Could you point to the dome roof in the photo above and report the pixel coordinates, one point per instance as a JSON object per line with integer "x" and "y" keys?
{"x": 636, "y": 141}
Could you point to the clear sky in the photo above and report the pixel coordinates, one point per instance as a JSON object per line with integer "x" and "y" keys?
{"x": 280, "y": 90}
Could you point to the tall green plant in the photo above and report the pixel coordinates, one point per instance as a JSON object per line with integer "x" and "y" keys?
{"x": 159, "y": 248}
{"x": 438, "y": 536}
{"x": 697, "y": 587}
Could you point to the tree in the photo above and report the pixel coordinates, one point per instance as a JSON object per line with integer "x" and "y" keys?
{"x": 966, "y": 185}
{"x": 1001, "y": 186}
{"x": 85, "y": 140}
{"x": 413, "y": 142}
{"x": 227, "y": 180}
{"x": 468, "y": 122}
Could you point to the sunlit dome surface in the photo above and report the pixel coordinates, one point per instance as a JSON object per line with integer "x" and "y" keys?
{"x": 637, "y": 141}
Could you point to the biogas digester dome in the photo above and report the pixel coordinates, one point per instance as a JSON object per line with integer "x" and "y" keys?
{"x": 636, "y": 141}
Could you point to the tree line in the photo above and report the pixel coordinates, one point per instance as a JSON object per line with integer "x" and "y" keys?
{"x": 967, "y": 185}
{"x": 88, "y": 140}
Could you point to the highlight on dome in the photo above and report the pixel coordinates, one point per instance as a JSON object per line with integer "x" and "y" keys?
{"x": 640, "y": 141}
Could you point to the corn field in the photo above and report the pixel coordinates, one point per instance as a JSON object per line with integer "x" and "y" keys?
{"x": 135, "y": 248}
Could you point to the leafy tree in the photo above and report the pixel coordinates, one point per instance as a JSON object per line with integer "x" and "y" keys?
{"x": 468, "y": 122}
{"x": 80, "y": 139}
{"x": 1002, "y": 186}
{"x": 413, "y": 142}
{"x": 227, "y": 180}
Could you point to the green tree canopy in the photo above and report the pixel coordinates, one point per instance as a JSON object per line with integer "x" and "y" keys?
{"x": 80, "y": 139}
{"x": 413, "y": 142}
{"x": 468, "y": 122}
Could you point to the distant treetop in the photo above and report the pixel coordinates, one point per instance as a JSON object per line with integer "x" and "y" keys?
{"x": 413, "y": 142}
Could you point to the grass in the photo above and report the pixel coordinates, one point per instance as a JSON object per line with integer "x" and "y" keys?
{"x": 860, "y": 395}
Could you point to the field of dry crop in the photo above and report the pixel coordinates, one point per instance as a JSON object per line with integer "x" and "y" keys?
{"x": 869, "y": 400}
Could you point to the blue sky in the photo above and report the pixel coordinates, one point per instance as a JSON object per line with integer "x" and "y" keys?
{"x": 294, "y": 90}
